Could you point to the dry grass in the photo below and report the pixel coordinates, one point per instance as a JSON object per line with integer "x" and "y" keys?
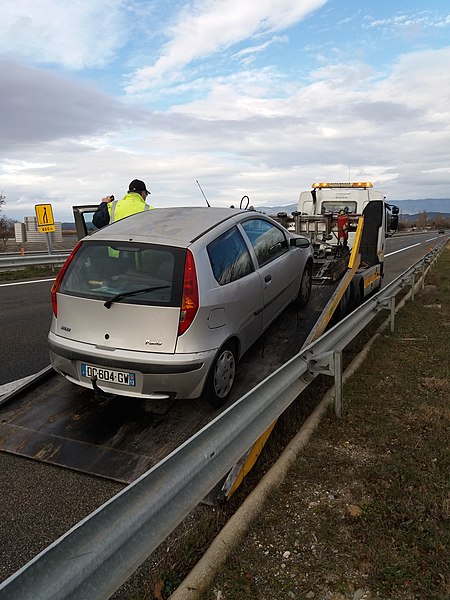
{"x": 28, "y": 273}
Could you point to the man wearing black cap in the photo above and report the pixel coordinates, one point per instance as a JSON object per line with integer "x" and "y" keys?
{"x": 111, "y": 210}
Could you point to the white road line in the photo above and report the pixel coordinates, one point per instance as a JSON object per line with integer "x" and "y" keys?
{"x": 401, "y": 250}
{"x": 24, "y": 282}
{"x": 431, "y": 239}
{"x": 6, "y": 388}
{"x": 12, "y": 385}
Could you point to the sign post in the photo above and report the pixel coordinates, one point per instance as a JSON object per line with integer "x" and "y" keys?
{"x": 45, "y": 221}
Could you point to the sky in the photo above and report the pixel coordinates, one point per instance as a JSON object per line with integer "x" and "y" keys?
{"x": 259, "y": 98}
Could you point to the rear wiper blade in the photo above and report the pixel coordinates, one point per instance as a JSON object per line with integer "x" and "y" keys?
{"x": 118, "y": 297}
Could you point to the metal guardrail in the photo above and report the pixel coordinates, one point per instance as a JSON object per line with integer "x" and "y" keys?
{"x": 97, "y": 555}
{"x": 17, "y": 253}
{"x": 10, "y": 263}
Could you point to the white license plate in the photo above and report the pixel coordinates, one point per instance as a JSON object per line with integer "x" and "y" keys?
{"x": 103, "y": 374}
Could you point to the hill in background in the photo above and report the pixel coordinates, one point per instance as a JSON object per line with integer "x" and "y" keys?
{"x": 409, "y": 209}
{"x": 429, "y": 205}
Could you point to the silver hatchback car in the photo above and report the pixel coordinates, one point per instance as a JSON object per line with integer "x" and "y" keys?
{"x": 164, "y": 303}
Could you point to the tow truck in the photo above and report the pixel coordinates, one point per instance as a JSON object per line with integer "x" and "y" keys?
{"x": 352, "y": 264}
{"x": 348, "y": 262}
{"x": 54, "y": 421}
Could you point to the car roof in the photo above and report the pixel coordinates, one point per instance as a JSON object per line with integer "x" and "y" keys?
{"x": 177, "y": 226}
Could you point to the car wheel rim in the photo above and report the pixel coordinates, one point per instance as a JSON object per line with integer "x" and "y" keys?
{"x": 224, "y": 374}
{"x": 306, "y": 285}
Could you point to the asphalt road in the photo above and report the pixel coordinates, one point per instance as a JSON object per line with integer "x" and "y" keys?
{"x": 402, "y": 251}
{"x": 25, "y": 316}
{"x": 25, "y": 308}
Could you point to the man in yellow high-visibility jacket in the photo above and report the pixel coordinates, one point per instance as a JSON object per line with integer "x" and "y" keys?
{"x": 133, "y": 202}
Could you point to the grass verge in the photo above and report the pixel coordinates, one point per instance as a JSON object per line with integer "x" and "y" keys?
{"x": 365, "y": 512}
{"x": 28, "y": 273}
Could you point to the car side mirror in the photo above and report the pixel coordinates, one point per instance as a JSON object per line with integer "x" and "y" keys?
{"x": 300, "y": 242}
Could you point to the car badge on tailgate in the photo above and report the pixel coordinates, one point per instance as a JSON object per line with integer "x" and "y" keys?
{"x": 153, "y": 343}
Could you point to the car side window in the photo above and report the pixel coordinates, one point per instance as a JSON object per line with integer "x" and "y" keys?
{"x": 267, "y": 240}
{"x": 229, "y": 257}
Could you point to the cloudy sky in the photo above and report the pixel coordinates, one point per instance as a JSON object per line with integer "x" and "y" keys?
{"x": 257, "y": 98}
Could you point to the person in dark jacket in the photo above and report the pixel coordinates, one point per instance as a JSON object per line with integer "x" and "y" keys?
{"x": 111, "y": 210}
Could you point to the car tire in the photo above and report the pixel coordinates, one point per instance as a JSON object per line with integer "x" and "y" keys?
{"x": 304, "y": 292}
{"x": 221, "y": 376}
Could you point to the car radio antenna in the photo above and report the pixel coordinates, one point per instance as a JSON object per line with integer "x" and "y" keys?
{"x": 206, "y": 199}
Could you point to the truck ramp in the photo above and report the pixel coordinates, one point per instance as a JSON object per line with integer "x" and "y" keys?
{"x": 60, "y": 423}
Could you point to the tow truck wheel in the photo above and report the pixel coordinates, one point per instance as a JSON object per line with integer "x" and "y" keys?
{"x": 221, "y": 377}
{"x": 357, "y": 296}
{"x": 305, "y": 287}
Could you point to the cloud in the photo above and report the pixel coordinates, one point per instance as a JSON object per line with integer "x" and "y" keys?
{"x": 37, "y": 105}
{"x": 401, "y": 21}
{"x": 47, "y": 32}
{"x": 253, "y": 132}
{"x": 247, "y": 54}
{"x": 213, "y": 25}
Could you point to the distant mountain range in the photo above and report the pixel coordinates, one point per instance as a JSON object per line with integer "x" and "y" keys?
{"x": 429, "y": 205}
{"x": 407, "y": 207}
{"x": 431, "y": 216}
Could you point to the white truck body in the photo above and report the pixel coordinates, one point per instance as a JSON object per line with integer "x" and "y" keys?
{"x": 328, "y": 199}
{"x": 333, "y": 197}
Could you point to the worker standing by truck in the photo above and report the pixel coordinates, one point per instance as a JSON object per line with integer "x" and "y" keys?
{"x": 342, "y": 225}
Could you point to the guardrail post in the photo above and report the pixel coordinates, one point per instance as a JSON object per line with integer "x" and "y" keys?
{"x": 337, "y": 357}
{"x": 423, "y": 274}
{"x": 413, "y": 285}
{"x": 330, "y": 363}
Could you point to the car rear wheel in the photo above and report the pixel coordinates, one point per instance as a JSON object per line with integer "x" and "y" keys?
{"x": 221, "y": 377}
{"x": 305, "y": 287}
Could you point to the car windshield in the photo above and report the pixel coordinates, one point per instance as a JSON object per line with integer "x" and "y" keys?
{"x": 141, "y": 273}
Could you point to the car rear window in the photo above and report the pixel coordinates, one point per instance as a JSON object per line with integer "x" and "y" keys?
{"x": 229, "y": 257}
{"x": 101, "y": 271}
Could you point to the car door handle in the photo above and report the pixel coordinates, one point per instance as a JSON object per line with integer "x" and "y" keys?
{"x": 268, "y": 278}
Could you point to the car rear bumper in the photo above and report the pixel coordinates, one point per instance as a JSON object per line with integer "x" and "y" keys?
{"x": 157, "y": 375}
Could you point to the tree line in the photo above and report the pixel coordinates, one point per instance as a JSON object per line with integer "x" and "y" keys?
{"x": 424, "y": 221}
{"x": 6, "y": 224}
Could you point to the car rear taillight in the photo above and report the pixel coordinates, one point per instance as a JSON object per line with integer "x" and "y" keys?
{"x": 189, "y": 300}
{"x": 58, "y": 280}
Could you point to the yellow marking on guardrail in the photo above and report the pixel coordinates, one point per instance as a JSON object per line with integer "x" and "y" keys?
{"x": 250, "y": 459}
